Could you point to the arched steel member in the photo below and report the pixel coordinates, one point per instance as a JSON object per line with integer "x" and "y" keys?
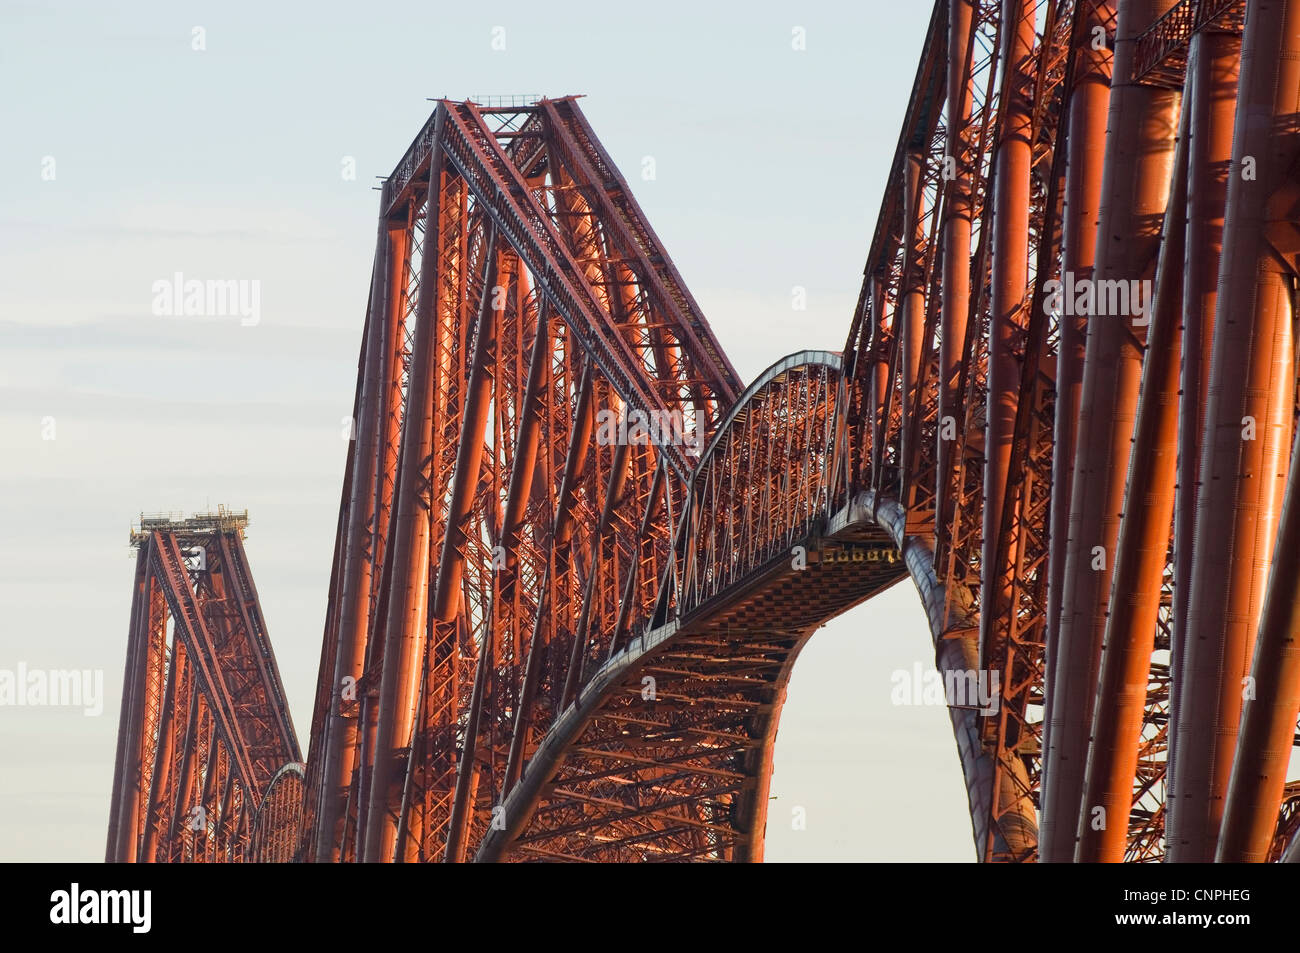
{"x": 665, "y": 751}
{"x": 672, "y": 737}
{"x": 277, "y": 825}
{"x": 1017, "y": 832}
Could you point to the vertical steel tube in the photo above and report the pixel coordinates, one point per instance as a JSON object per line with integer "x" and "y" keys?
{"x": 162, "y": 759}
{"x": 1264, "y": 748}
{"x": 181, "y": 808}
{"x": 340, "y": 744}
{"x": 524, "y": 462}
{"x": 1135, "y": 181}
{"x": 407, "y": 604}
{"x": 1086, "y": 145}
{"x": 469, "y": 453}
{"x": 123, "y": 836}
{"x": 401, "y": 665}
{"x": 912, "y": 309}
{"x": 384, "y": 478}
{"x": 1213, "y": 64}
{"x": 1141, "y": 555}
{"x": 957, "y": 216}
{"x": 1013, "y": 162}
{"x": 466, "y": 768}
{"x": 878, "y": 380}
{"x": 1248, "y": 425}
{"x": 532, "y": 675}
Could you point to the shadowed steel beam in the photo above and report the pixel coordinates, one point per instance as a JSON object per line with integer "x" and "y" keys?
{"x": 1086, "y": 145}
{"x": 340, "y": 743}
{"x": 1141, "y": 554}
{"x": 1248, "y": 424}
{"x": 237, "y": 580}
{"x": 123, "y": 832}
{"x": 957, "y": 654}
{"x": 467, "y": 766}
{"x": 1213, "y": 65}
{"x": 1013, "y": 161}
{"x": 879, "y": 378}
{"x": 1264, "y": 747}
{"x": 162, "y": 759}
{"x": 911, "y": 334}
{"x": 469, "y": 454}
{"x": 189, "y": 752}
{"x": 1135, "y": 182}
{"x": 524, "y": 463}
{"x": 388, "y": 411}
{"x": 391, "y": 408}
{"x": 404, "y": 629}
{"x": 958, "y": 213}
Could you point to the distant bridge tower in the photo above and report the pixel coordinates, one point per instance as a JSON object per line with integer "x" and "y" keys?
{"x": 205, "y": 733}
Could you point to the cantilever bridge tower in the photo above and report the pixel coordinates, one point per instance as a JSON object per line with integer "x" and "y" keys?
{"x": 576, "y": 557}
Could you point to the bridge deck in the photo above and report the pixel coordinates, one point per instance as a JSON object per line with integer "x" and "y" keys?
{"x": 667, "y": 753}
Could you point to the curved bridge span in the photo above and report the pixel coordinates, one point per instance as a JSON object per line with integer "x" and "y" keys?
{"x": 667, "y": 750}
{"x": 576, "y": 559}
{"x": 666, "y": 753}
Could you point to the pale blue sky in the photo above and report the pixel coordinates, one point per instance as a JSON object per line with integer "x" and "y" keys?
{"x": 226, "y": 162}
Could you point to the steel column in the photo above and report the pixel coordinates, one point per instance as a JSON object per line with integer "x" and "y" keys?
{"x": 1014, "y": 159}
{"x": 1213, "y": 65}
{"x": 1141, "y": 554}
{"x": 1139, "y": 151}
{"x": 1248, "y": 424}
{"x": 1086, "y": 145}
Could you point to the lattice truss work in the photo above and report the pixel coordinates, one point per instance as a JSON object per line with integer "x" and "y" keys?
{"x": 576, "y": 560}
{"x": 205, "y": 726}
{"x": 504, "y": 535}
{"x": 996, "y": 201}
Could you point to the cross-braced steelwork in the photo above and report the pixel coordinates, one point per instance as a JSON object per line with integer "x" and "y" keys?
{"x": 205, "y": 727}
{"x": 576, "y": 560}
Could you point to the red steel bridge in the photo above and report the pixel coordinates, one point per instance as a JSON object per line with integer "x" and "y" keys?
{"x": 577, "y": 557}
